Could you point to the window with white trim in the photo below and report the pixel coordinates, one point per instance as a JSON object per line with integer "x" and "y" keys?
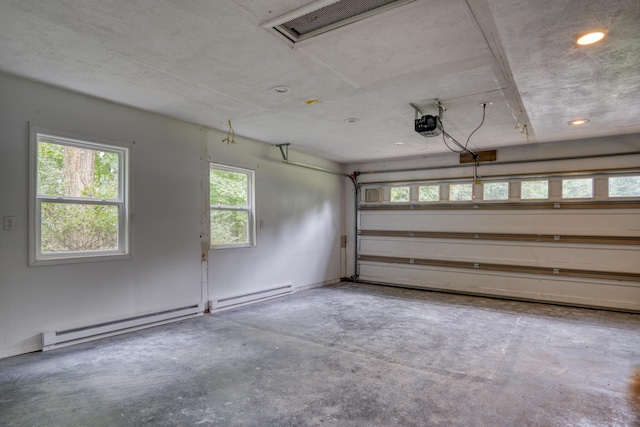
{"x": 624, "y": 186}
{"x": 530, "y": 190}
{"x": 577, "y": 188}
{"x": 400, "y": 194}
{"x": 429, "y": 193}
{"x": 79, "y": 198}
{"x": 232, "y": 211}
{"x": 495, "y": 191}
{"x": 460, "y": 192}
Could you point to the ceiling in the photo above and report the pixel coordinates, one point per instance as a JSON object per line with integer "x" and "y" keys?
{"x": 209, "y": 62}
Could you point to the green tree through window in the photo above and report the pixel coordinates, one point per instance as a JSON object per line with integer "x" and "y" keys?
{"x": 80, "y": 204}
{"x": 231, "y": 206}
{"x": 400, "y": 194}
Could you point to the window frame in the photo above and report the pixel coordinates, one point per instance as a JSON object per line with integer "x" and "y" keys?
{"x": 461, "y": 184}
{"x": 123, "y": 202}
{"x": 484, "y": 184}
{"x": 547, "y": 197}
{"x": 562, "y": 188}
{"x": 437, "y": 186}
{"x": 250, "y": 209}
{"x": 609, "y": 196}
{"x": 408, "y": 187}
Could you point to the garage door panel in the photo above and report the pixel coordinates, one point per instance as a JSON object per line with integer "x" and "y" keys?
{"x": 619, "y": 295}
{"x": 553, "y": 255}
{"x": 598, "y": 222}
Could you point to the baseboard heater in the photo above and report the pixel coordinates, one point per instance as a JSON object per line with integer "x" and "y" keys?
{"x": 57, "y": 339}
{"x": 237, "y": 300}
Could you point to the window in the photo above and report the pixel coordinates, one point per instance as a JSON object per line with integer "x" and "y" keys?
{"x": 400, "y": 194}
{"x": 232, "y": 213}
{"x": 80, "y": 199}
{"x": 579, "y": 188}
{"x": 429, "y": 193}
{"x": 534, "y": 189}
{"x": 624, "y": 186}
{"x": 460, "y": 192}
{"x": 495, "y": 191}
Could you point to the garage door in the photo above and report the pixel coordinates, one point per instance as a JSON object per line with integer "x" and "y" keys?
{"x": 568, "y": 238}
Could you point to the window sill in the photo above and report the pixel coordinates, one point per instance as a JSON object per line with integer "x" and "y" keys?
{"x": 54, "y": 260}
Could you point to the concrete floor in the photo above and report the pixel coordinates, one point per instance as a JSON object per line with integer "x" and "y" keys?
{"x": 347, "y": 355}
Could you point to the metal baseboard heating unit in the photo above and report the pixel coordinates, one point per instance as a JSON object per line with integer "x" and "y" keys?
{"x": 57, "y": 339}
{"x": 238, "y": 300}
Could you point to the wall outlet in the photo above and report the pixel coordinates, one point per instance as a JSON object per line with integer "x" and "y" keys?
{"x": 9, "y": 223}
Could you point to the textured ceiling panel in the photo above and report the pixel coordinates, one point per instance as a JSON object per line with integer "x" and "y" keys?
{"x": 211, "y": 61}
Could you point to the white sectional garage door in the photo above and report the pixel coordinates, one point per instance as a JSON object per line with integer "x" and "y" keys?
{"x": 558, "y": 248}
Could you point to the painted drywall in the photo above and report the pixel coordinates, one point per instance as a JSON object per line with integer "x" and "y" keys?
{"x": 299, "y": 243}
{"x": 165, "y": 270}
{"x": 300, "y": 211}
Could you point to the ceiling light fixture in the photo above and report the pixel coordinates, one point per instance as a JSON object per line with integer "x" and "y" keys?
{"x": 281, "y": 89}
{"x": 352, "y": 120}
{"x": 577, "y": 122}
{"x": 590, "y": 38}
{"x": 398, "y": 144}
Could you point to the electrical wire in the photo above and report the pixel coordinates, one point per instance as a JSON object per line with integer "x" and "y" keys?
{"x": 231, "y": 135}
{"x": 484, "y": 110}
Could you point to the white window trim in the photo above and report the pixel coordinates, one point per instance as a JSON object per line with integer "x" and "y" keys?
{"x": 554, "y": 188}
{"x": 251, "y": 209}
{"x": 497, "y": 200}
{"x": 608, "y": 184}
{"x": 430, "y": 201}
{"x": 124, "y": 202}
{"x": 593, "y": 188}
{"x": 460, "y": 184}
{"x": 536, "y": 198}
{"x": 399, "y": 201}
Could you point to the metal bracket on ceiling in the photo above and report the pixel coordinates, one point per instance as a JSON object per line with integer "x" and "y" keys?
{"x": 284, "y": 150}
{"x": 438, "y": 104}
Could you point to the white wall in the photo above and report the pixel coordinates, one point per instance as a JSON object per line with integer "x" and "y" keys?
{"x": 300, "y": 209}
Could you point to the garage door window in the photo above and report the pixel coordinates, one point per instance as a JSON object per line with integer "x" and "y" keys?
{"x": 534, "y": 190}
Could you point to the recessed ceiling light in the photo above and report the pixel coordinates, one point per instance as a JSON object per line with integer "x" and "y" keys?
{"x": 352, "y": 120}
{"x": 577, "y": 122}
{"x": 312, "y": 101}
{"x": 281, "y": 89}
{"x": 398, "y": 144}
{"x": 590, "y": 38}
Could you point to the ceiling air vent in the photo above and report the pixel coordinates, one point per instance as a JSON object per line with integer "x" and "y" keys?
{"x": 323, "y": 16}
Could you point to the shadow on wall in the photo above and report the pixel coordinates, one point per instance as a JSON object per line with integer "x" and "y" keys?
{"x": 317, "y": 238}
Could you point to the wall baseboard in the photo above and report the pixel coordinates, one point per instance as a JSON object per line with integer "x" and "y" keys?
{"x": 58, "y": 339}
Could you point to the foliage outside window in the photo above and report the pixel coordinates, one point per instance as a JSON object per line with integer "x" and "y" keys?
{"x": 460, "y": 192}
{"x": 232, "y": 214}
{"x": 400, "y": 194}
{"x": 495, "y": 191}
{"x": 624, "y": 186}
{"x": 534, "y": 189}
{"x": 429, "y": 193}
{"x": 79, "y": 204}
{"x": 579, "y": 188}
